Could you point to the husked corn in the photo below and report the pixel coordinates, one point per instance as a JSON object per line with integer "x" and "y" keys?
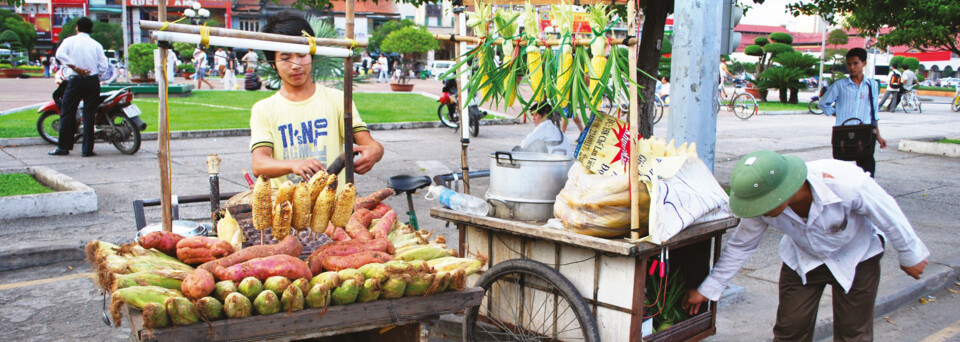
{"x": 302, "y": 206}
{"x": 534, "y": 60}
{"x": 283, "y": 212}
{"x": 598, "y": 62}
{"x": 343, "y": 208}
{"x": 323, "y": 208}
{"x": 262, "y": 207}
{"x": 563, "y": 78}
{"x": 284, "y": 193}
{"x": 316, "y": 184}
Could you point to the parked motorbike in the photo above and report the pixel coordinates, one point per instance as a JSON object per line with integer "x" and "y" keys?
{"x": 449, "y": 111}
{"x": 117, "y": 121}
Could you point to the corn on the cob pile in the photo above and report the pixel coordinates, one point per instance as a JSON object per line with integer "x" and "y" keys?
{"x": 282, "y": 215}
{"x": 344, "y": 206}
{"x": 323, "y": 207}
{"x": 598, "y": 18}
{"x": 302, "y": 206}
{"x": 262, "y": 206}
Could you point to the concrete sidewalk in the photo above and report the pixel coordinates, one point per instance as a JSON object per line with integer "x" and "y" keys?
{"x": 926, "y": 187}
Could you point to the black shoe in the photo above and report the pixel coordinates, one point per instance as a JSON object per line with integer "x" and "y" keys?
{"x": 88, "y": 154}
{"x": 59, "y": 152}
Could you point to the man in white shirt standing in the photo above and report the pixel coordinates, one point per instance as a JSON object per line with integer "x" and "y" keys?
{"x": 836, "y": 220}
{"x": 220, "y": 61}
{"x": 85, "y": 61}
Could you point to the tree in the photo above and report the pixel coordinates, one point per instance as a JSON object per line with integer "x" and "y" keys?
{"x": 25, "y": 31}
{"x": 912, "y": 63}
{"x": 109, "y": 35}
{"x": 185, "y": 50}
{"x": 69, "y": 28}
{"x": 800, "y": 62}
{"x": 920, "y": 24}
{"x": 781, "y": 78}
{"x": 407, "y": 41}
{"x": 381, "y": 33}
{"x": 896, "y": 60}
{"x": 141, "y": 58}
{"x": 836, "y": 38}
{"x": 664, "y": 67}
{"x": 10, "y": 37}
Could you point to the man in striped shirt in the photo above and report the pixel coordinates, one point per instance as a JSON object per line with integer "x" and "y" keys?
{"x": 855, "y": 97}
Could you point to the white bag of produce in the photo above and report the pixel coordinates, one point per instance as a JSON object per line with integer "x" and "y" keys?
{"x": 595, "y": 204}
{"x": 682, "y": 189}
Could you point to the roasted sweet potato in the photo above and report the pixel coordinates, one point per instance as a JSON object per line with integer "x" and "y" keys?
{"x": 382, "y": 229}
{"x": 380, "y": 210}
{"x": 200, "y": 249}
{"x": 263, "y": 268}
{"x": 290, "y": 245}
{"x": 370, "y": 201}
{"x": 358, "y": 231}
{"x": 340, "y": 235}
{"x": 337, "y": 263}
{"x": 342, "y": 248}
{"x": 165, "y": 242}
{"x": 198, "y": 284}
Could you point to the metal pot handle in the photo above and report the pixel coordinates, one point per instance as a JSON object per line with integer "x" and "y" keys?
{"x": 496, "y": 206}
{"x": 508, "y": 154}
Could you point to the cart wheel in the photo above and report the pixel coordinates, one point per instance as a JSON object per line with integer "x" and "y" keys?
{"x": 548, "y": 308}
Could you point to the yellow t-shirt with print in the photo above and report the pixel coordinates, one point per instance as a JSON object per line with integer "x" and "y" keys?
{"x": 312, "y": 128}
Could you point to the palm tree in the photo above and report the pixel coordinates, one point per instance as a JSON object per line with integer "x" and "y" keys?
{"x": 799, "y": 61}
{"x": 781, "y": 78}
{"x": 325, "y": 69}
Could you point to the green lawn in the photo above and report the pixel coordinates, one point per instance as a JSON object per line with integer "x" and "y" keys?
{"x": 949, "y": 141}
{"x": 205, "y": 110}
{"x": 777, "y": 106}
{"x": 13, "y": 184}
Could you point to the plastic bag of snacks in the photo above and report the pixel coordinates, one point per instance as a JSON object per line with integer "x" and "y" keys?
{"x": 597, "y": 205}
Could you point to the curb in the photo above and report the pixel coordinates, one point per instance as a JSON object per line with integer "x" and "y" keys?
{"x": 239, "y": 132}
{"x": 11, "y": 111}
{"x": 39, "y": 256}
{"x": 785, "y": 112}
{"x": 930, "y": 146}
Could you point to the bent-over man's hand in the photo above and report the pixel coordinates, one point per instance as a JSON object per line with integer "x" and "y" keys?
{"x": 307, "y": 167}
{"x": 916, "y": 270}
{"x": 692, "y": 300}
{"x": 369, "y": 155}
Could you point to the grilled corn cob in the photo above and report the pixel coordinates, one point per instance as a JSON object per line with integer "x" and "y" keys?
{"x": 282, "y": 215}
{"x": 302, "y": 206}
{"x": 344, "y": 206}
{"x": 323, "y": 207}
{"x": 284, "y": 193}
{"x": 262, "y": 207}
{"x": 316, "y": 184}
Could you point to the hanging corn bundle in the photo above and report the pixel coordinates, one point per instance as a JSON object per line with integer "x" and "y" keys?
{"x": 508, "y": 25}
{"x": 598, "y": 18}
{"x": 535, "y": 60}
{"x": 563, "y": 20}
{"x": 480, "y": 21}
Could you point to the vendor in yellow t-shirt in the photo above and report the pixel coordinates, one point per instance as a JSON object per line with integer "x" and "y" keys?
{"x": 299, "y": 130}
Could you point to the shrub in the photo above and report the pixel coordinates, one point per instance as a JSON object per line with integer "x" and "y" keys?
{"x": 753, "y": 50}
{"x": 777, "y": 48}
{"x": 187, "y": 67}
{"x": 141, "y": 58}
{"x": 781, "y": 37}
{"x": 761, "y": 41}
{"x": 912, "y": 63}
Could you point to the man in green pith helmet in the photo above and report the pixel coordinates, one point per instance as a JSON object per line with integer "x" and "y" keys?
{"x": 836, "y": 220}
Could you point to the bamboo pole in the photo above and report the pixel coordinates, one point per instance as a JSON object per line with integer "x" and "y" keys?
{"x": 245, "y": 43}
{"x": 634, "y": 131}
{"x": 630, "y": 41}
{"x": 348, "y": 98}
{"x": 223, "y": 32}
{"x": 163, "y": 135}
{"x": 463, "y": 104}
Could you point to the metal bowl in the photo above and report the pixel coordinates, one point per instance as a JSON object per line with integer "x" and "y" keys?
{"x": 184, "y": 228}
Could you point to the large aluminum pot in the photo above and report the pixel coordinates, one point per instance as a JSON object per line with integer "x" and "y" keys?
{"x": 524, "y": 185}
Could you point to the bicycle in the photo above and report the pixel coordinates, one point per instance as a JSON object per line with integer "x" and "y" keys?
{"x": 910, "y": 102}
{"x": 742, "y": 104}
{"x": 623, "y": 106}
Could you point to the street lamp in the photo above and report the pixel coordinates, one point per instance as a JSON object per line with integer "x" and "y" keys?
{"x": 196, "y": 13}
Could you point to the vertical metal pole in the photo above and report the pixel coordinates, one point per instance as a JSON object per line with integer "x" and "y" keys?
{"x": 461, "y": 29}
{"x": 634, "y": 129}
{"x": 823, "y": 50}
{"x": 348, "y": 99}
{"x": 126, "y": 39}
{"x": 695, "y": 69}
{"x": 163, "y": 135}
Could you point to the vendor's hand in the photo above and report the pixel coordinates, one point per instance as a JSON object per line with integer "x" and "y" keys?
{"x": 307, "y": 167}
{"x": 692, "y": 300}
{"x": 369, "y": 155}
{"x": 80, "y": 71}
{"x": 882, "y": 141}
{"x": 916, "y": 270}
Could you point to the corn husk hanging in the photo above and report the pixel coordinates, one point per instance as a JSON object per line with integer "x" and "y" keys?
{"x": 508, "y": 25}
{"x": 598, "y": 18}
{"x": 563, "y": 20}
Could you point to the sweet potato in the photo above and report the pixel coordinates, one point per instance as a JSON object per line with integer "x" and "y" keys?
{"x": 380, "y": 210}
{"x": 382, "y": 229}
{"x": 341, "y": 248}
{"x": 358, "y": 231}
{"x": 359, "y": 216}
{"x": 263, "y": 268}
{"x": 336, "y": 263}
{"x": 201, "y": 249}
{"x": 290, "y": 245}
{"x": 330, "y": 229}
{"x": 198, "y": 284}
{"x": 372, "y": 200}
{"x": 340, "y": 235}
{"x": 163, "y": 241}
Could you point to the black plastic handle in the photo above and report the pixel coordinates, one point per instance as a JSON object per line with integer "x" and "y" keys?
{"x": 500, "y": 153}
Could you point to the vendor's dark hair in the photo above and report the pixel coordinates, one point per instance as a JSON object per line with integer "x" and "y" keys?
{"x": 288, "y": 23}
{"x": 542, "y": 108}
{"x": 859, "y": 53}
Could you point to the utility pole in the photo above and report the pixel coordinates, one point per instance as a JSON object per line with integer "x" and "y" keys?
{"x": 695, "y": 72}
{"x": 823, "y": 50}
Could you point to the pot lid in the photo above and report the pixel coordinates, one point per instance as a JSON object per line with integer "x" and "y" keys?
{"x": 184, "y": 228}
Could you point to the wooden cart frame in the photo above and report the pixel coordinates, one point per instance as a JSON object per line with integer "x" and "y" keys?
{"x": 609, "y": 274}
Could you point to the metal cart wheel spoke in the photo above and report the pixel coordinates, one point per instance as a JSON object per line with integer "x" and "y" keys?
{"x": 526, "y": 300}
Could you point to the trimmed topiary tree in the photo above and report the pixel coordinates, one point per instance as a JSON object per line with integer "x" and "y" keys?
{"x": 407, "y": 41}
{"x": 912, "y": 63}
{"x": 141, "y": 58}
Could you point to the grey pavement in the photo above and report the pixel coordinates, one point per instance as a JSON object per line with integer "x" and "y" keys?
{"x": 926, "y": 187}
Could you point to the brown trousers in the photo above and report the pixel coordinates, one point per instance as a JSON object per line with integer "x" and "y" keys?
{"x": 852, "y": 312}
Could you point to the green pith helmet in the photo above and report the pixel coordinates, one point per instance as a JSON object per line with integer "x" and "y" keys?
{"x": 763, "y": 180}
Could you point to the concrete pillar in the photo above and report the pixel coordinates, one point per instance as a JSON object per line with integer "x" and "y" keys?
{"x": 695, "y": 70}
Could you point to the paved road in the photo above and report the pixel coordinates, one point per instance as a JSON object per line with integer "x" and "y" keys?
{"x": 62, "y": 304}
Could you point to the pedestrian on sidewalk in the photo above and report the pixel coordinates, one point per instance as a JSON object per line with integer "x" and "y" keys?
{"x": 229, "y": 77}
{"x": 855, "y": 98}
{"x": 836, "y": 220}
{"x": 85, "y": 61}
{"x": 200, "y": 62}
{"x": 382, "y": 63}
{"x": 893, "y": 89}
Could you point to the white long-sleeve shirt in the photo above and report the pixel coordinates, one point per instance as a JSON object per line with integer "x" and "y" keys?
{"x": 849, "y": 209}
{"x": 83, "y": 52}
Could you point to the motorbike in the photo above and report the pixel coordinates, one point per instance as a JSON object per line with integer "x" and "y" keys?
{"x": 117, "y": 121}
{"x": 449, "y": 111}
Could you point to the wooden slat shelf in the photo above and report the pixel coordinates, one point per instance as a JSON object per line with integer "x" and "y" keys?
{"x": 615, "y": 246}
